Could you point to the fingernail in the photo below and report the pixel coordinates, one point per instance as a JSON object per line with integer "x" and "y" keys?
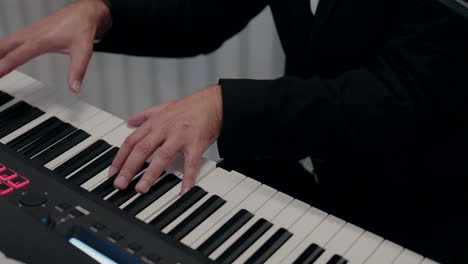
{"x": 120, "y": 182}
{"x": 76, "y": 86}
{"x": 143, "y": 186}
{"x": 112, "y": 171}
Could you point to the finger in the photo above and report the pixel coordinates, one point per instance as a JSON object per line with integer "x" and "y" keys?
{"x": 7, "y": 46}
{"x": 127, "y": 147}
{"x": 192, "y": 163}
{"x": 19, "y": 56}
{"x": 161, "y": 159}
{"x": 140, "y": 153}
{"x": 80, "y": 58}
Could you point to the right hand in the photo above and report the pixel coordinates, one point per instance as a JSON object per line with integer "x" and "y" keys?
{"x": 71, "y": 30}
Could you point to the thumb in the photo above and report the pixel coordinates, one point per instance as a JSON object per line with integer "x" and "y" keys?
{"x": 138, "y": 119}
{"x": 80, "y": 58}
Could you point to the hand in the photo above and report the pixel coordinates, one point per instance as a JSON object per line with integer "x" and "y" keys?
{"x": 71, "y": 30}
{"x": 188, "y": 125}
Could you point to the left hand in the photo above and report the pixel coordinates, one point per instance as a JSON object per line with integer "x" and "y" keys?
{"x": 188, "y": 125}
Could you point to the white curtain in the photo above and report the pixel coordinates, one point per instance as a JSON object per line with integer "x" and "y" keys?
{"x": 123, "y": 85}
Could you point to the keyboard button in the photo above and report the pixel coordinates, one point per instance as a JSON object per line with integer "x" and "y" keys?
{"x": 244, "y": 241}
{"x": 96, "y": 227}
{"x": 197, "y": 217}
{"x": 408, "y": 257}
{"x": 178, "y": 207}
{"x": 63, "y": 206}
{"x": 7, "y": 175}
{"x": 18, "y": 182}
{"x": 124, "y": 195}
{"x": 5, "y": 189}
{"x": 270, "y": 247}
{"x": 134, "y": 247}
{"x": 5, "y": 98}
{"x": 227, "y": 230}
{"x": 386, "y": 253}
{"x": 76, "y": 213}
{"x": 310, "y": 255}
{"x": 115, "y": 237}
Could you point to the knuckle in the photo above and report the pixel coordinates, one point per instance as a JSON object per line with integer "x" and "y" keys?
{"x": 143, "y": 147}
{"x": 129, "y": 142}
{"x": 164, "y": 154}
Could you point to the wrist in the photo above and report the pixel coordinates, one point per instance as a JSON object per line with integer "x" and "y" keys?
{"x": 100, "y": 15}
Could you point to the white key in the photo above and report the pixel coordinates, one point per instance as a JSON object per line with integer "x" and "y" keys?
{"x": 117, "y": 138}
{"x": 219, "y": 182}
{"x": 340, "y": 243}
{"x": 271, "y": 209}
{"x": 301, "y": 229}
{"x": 16, "y": 84}
{"x": 9, "y": 80}
{"x": 285, "y": 219}
{"x": 387, "y": 252}
{"x": 233, "y": 198}
{"x": 408, "y": 257}
{"x": 363, "y": 248}
{"x": 428, "y": 261}
{"x": 320, "y": 236}
{"x": 32, "y": 92}
{"x": 150, "y": 212}
{"x": 107, "y": 127}
{"x": 252, "y": 203}
{"x": 78, "y": 113}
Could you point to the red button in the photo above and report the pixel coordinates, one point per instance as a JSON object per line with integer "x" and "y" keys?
{"x": 5, "y": 189}
{"x": 18, "y": 182}
{"x": 7, "y": 175}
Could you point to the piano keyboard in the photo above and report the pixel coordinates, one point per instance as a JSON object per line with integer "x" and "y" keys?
{"x": 227, "y": 217}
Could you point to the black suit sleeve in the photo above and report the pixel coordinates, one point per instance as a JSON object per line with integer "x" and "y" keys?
{"x": 407, "y": 97}
{"x": 175, "y": 28}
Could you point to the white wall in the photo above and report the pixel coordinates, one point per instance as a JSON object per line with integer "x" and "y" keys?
{"x": 124, "y": 85}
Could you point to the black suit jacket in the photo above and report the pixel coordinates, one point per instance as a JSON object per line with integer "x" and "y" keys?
{"x": 376, "y": 88}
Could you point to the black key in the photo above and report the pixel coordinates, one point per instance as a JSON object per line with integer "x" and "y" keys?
{"x": 14, "y": 112}
{"x": 45, "y": 142}
{"x": 178, "y": 207}
{"x": 336, "y": 259}
{"x": 310, "y": 255}
{"x": 96, "y": 227}
{"x": 225, "y": 232}
{"x": 94, "y": 167}
{"x": 34, "y": 133}
{"x": 22, "y": 120}
{"x": 197, "y": 217}
{"x": 115, "y": 237}
{"x": 105, "y": 188}
{"x": 123, "y": 195}
{"x": 269, "y": 247}
{"x": 82, "y": 158}
{"x": 244, "y": 241}
{"x": 58, "y": 149}
{"x": 158, "y": 190}
{"x": 5, "y": 98}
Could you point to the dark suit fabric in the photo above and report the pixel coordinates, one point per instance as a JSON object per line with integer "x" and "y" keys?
{"x": 377, "y": 89}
